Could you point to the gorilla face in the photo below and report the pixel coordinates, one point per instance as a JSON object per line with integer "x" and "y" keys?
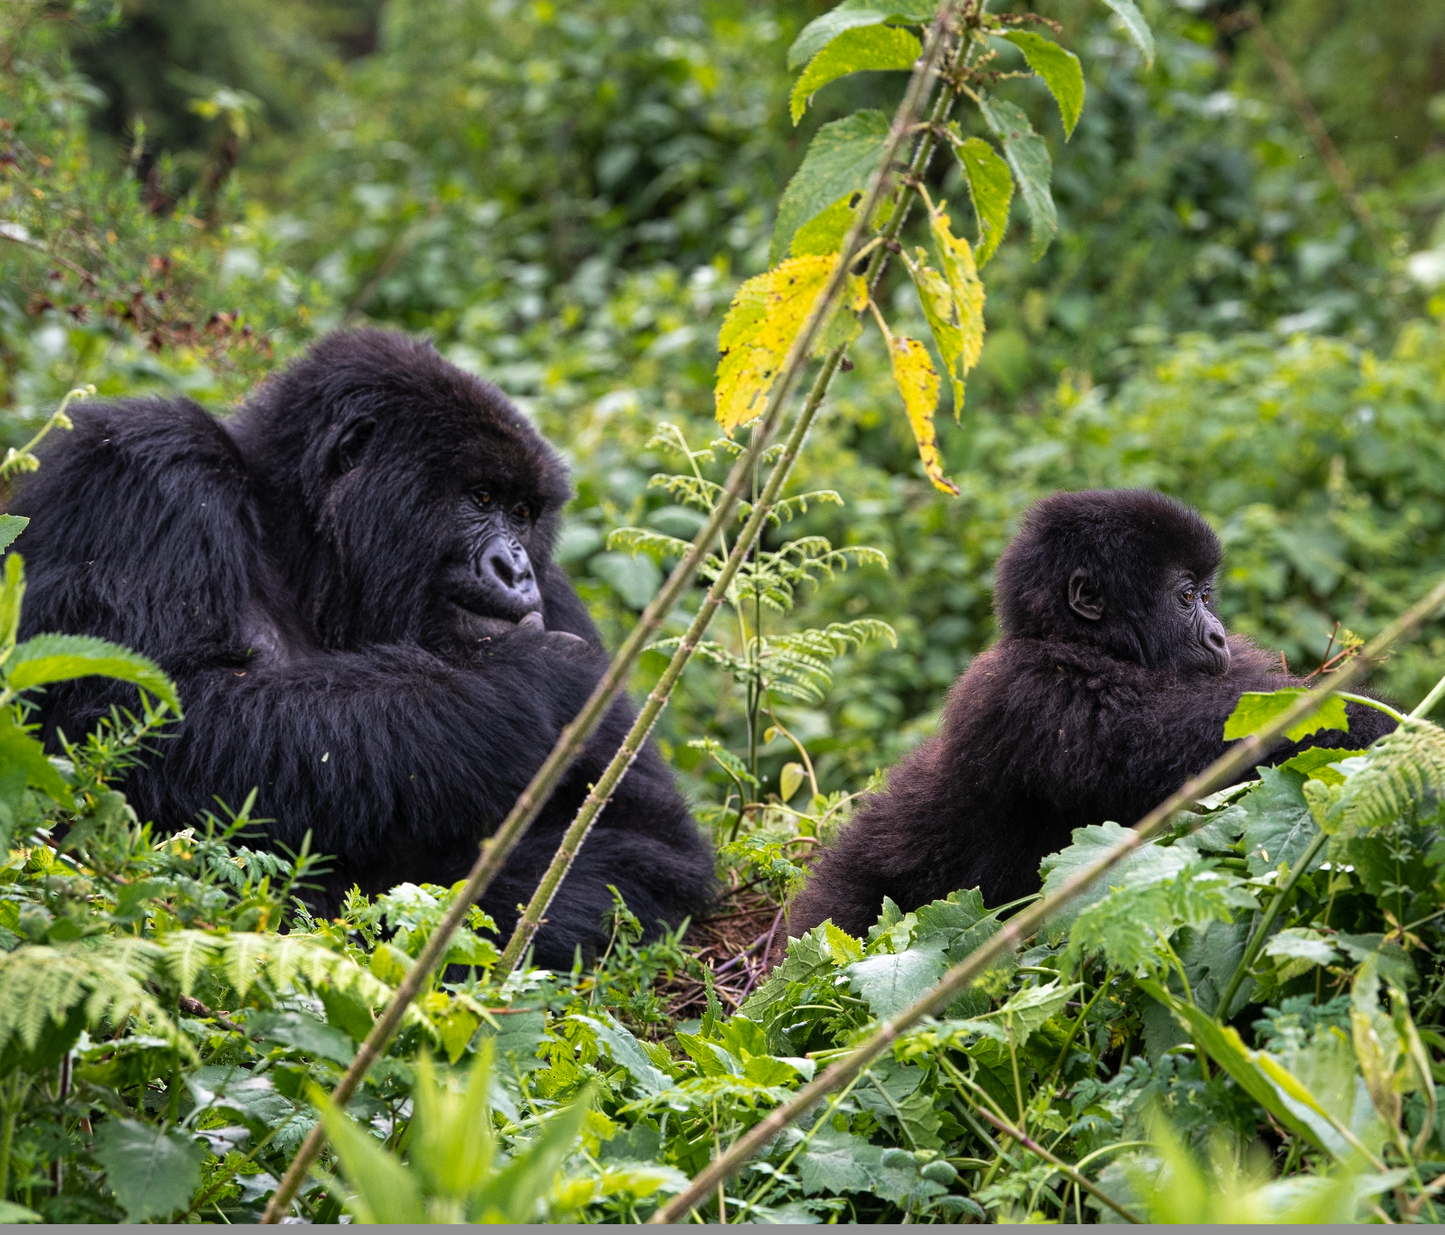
{"x": 1201, "y": 641}
{"x": 421, "y": 503}
{"x": 491, "y": 574}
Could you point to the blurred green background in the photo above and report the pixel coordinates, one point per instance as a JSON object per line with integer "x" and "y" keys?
{"x": 564, "y": 196}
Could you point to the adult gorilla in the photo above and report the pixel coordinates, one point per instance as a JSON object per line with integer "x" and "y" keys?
{"x": 350, "y": 581}
{"x": 1108, "y": 690}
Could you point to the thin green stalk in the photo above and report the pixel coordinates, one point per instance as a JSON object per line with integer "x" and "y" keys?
{"x": 1429, "y": 701}
{"x": 1223, "y": 771}
{"x": 1256, "y": 941}
{"x": 532, "y": 917}
{"x": 570, "y": 743}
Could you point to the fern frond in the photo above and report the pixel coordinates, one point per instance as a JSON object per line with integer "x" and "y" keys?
{"x": 1404, "y": 769}
{"x": 643, "y": 540}
{"x": 689, "y": 490}
{"x": 186, "y": 953}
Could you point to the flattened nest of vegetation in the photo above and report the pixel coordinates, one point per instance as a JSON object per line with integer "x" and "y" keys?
{"x": 733, "y": 944}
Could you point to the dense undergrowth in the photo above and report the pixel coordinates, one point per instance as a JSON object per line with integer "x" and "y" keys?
{"x": 1247, "y": 1024}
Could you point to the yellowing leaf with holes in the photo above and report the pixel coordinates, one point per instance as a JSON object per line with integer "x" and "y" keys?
{"x": 917, "y": 381}
{"x": 937, "y": 300}
{"x": 967, "y": 290}
{"x": 761, "y": 324}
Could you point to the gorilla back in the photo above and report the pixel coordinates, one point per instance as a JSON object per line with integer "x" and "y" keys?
{"x": 351, "y": 583}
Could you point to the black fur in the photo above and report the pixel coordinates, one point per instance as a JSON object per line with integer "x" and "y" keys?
{"x": 1066, "y": 721}
{"x": 300, "y": 570}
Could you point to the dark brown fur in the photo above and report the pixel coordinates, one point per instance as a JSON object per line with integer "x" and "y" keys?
{"x": 1061, "y": 724}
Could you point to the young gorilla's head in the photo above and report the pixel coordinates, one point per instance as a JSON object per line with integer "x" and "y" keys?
{"x": 413, "y": 499}
{"x": 1127, "y": 570}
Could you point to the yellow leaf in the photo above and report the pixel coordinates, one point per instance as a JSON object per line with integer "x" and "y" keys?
{"x": 963, "y": 281}
{"x": 937, "y": 299}
{"x": 761, "y": 324}
{"x": 917, "y": 381}
{"x": 790, "y": 780}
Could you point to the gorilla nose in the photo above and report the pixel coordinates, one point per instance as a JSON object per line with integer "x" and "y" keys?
{"x": 1216, "y": 642}
{"x": 507, "y": 568}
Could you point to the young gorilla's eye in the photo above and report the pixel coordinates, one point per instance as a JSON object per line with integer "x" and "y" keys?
{"x": 1188, "y": 597}
{"x": 483, "y": 497}
{"x": 521, "y": 511}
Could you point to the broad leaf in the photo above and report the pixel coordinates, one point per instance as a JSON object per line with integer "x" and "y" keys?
{"x": 1028, "y": 158}
{"x": 1280, "y": 826}
{"x": 824, "y": 233}
{"x": 1128, "y": 12}
{"x": 854, "y": 51}
{"x": 917, "y": 382}
{"x": 12, "y": 596}
{"x": 764, "y": 319}
{"x": 10, "y": 527}
{"x": 151, "y": 1172}
{"x": 836, "y": 1161}
{"x": 891, "y": 982}
{"x": 840, "y": 160}
{"x": 990, "y": 186}
{"x": 967, "y": 295}
{"x": 1303, "y": 944}
{"x": 58, "y": 658}
{"x": 850, "y": 15}
{"x": 1060, "y": 70}
{"x": 19, "y": 751}
{"x": 1256, "y": 709}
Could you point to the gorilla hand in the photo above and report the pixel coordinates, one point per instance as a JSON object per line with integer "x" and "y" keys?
{"x": 481, "y": 629}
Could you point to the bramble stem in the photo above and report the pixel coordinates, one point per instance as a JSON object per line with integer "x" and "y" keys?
{"x": 574, "y": 737}
{"x": 534, "y": 914}
{"x": 1223, "y": 771}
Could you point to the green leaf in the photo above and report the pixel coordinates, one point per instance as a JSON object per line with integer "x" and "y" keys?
{"x": 892, "y": 982}
{"x": 1060, "y": 70}
{"x": 627, "y": 1051}
{"x": 1304, "y": 944}
{"x": 1280, "y": 826}
{"x": 841, "y": 159}
{"x": 10, "y": 527}
{"x": 1256, "y": 709}
{"x": 850, "y": 15}
{"x": 990, "y": 186}
{"x": 1128, "y": 12}
{"x": 19, "y": 750}
{"x": 386, "y": 1190}
{"x": 1028, "y": 157}
{"x": 872, "y": 47}
{"x": 58, "y": 658}
{"x": 11, "y": 1212}
{"x": 151, "y": 1172}
{"x": 837, "y": 1161}
{"x": 790, "y": 780}
{"x": 824, "y": 233}
{"x": 12, "y": 594}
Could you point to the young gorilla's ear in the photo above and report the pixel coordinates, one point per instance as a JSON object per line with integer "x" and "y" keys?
{"x": 353, "y": 443}
{"x": 1085, "y": 598}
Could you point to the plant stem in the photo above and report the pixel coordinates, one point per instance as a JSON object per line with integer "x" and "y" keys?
{"x": 1069, "y": 1172}
{"x": 496, "y": 849}
{"x": 1242, "y": 755}
{"x": 1256, "y": 941}
{"x": 1422, "y": 710}
{"x": 531, "y": 920}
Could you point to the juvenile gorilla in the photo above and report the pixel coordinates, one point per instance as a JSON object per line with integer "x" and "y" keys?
{"x": 350, "y": 581}
{"x": 1108, "y": 690}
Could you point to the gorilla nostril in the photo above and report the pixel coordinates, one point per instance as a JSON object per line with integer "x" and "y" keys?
{"x": 502, "y": 568}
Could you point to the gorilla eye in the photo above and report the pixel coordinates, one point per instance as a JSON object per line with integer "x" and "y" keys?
{"x": 521, "y": 511}
{"x": 483, "y": 497}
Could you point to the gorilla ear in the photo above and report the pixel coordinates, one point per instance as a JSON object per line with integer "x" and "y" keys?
{"x": 1085, "y": 598}
{"x": 353, "y": 444}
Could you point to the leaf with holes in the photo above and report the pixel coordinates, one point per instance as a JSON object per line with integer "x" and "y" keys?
{"x": 863, "y": 48}
{"x": 967, "y": 293}
{"x": 1060, "y": 71}
{"x": 990, "y": 187}
{"x": 760, "y": 327}
{"x": 917, "y": 382}
{"x": 841, "y": 160}
{"x": 1028, "y": 158}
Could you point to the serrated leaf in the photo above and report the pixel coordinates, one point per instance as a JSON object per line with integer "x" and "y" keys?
{"x": 10, "y": 527}
{"x": 151, "y": 1172}
{"x": 862, "y": 48}
{"x": 1128, "y": 12}
{"x": 12, "y": 596}
{"x": 841, "y": 160}
{"x": 1060, "y": 71}
{"x": 19, "y": 750}
{"x": 58, "y": 658}
{"x": 850, "y": 15}
{"x": 990, "y": 188}
{"x": 760, "y": 326}
{"x": 967, "y": 293}
{"x": 891, "y": 982}
{"x": 1256, "y": 709}
{"x": 1280, "y": 826}
{"x": 824, "y": 234}
{"x": 917, "y": 382}
{"x": 1028, "y": 159}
